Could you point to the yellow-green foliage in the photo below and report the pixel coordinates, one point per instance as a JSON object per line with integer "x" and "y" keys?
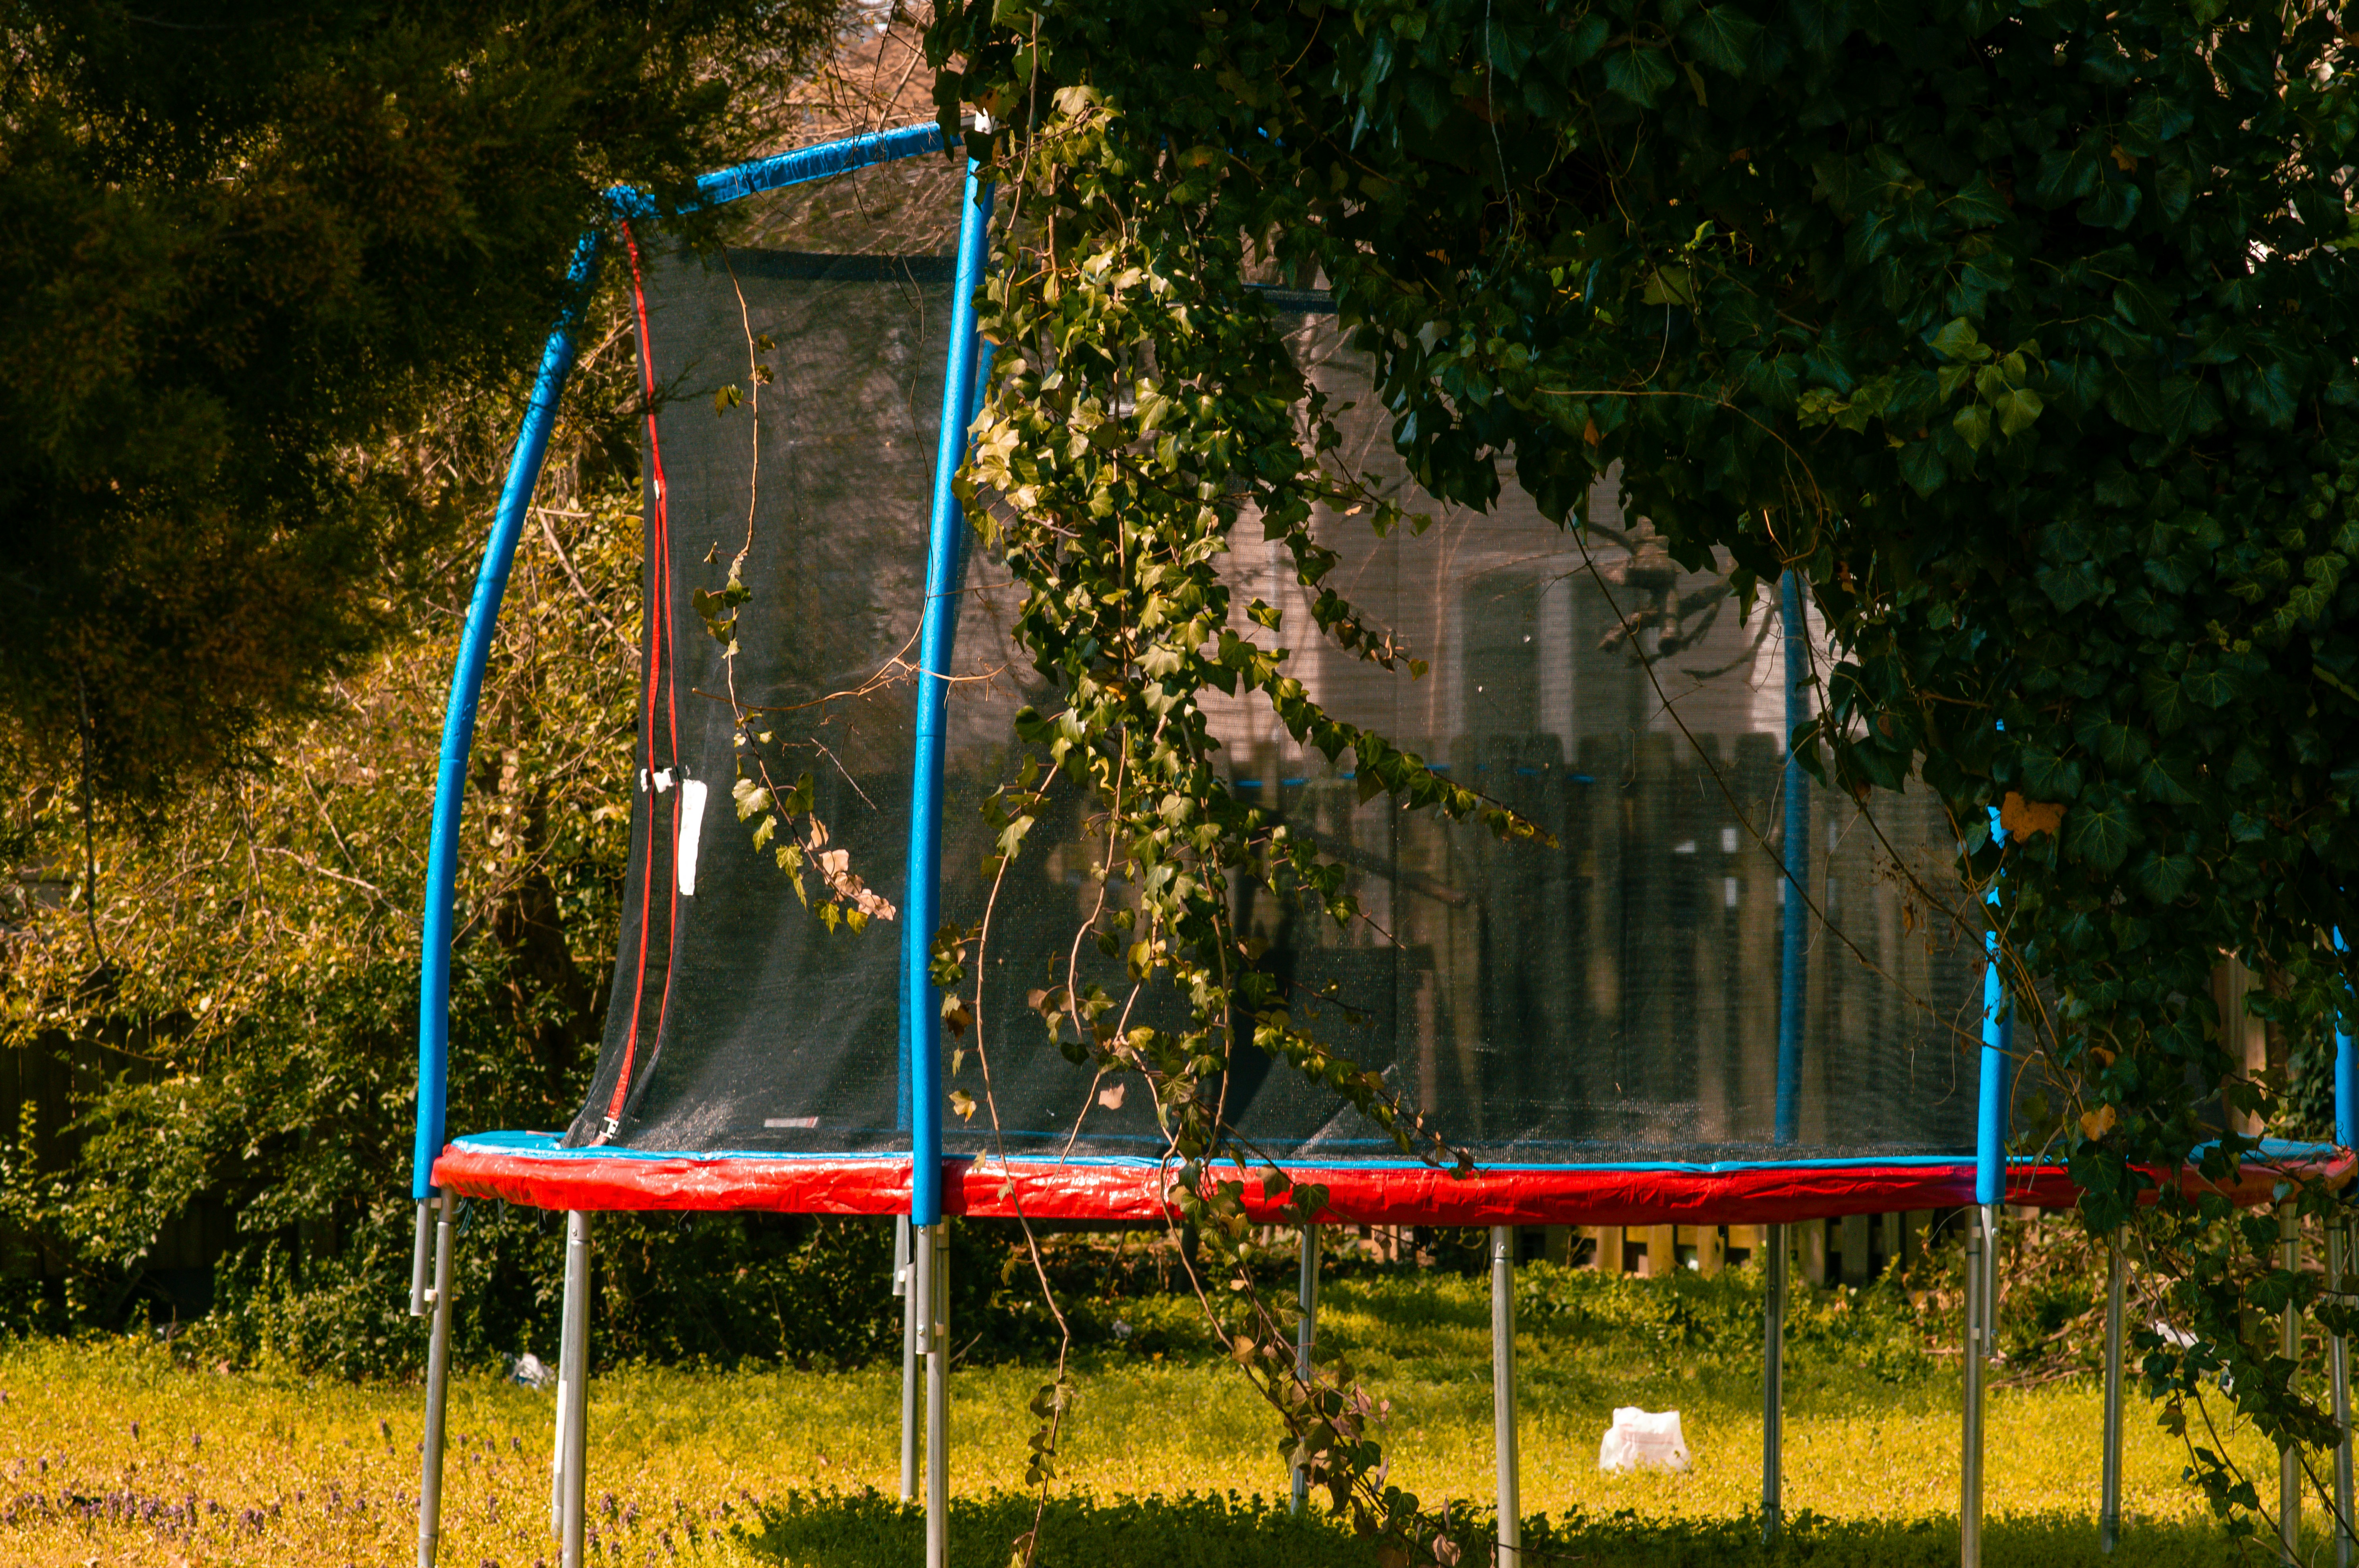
{"x": 1166, "y": 1461}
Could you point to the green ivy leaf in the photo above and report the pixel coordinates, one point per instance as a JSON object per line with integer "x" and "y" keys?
{"x": 1973, "y": 425}
{"x": 1822, "y": 26}
{"x": 2166, "y": 698}
{"x": 2069, "y": 588}
{"x": 2047, "y": 776}
{"x": 1960, "y": 342}
{"x": 2100, "y": 831}
{"x": 2166, "y": 878}
{"x": 2208, "y": 684}
{"x": 1922, "y": 468}
{"x": 2017, "y": 409}
{"x": 2157, "y": 782}
{"x": 1721, "y": 37}
{"x": 1640, "y": 74}
{"x": 2118, "y": 745}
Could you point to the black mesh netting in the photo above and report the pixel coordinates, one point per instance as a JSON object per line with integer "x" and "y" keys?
{"x": 1612, "y": 997}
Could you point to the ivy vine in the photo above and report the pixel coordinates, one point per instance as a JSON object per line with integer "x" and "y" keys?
{"x": 2022, "y": 333}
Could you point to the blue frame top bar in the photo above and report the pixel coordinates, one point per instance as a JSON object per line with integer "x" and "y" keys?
{"x": 804, "y": 163}
{"x": 492, "y": 581}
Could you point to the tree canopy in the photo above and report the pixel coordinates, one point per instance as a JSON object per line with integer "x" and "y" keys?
{"x": 248, "y": 253}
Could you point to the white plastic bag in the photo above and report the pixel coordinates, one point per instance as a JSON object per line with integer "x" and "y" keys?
{"x": 1642, "y": 1437}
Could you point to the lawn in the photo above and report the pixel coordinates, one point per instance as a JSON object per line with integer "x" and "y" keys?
{"x": 112, "y": 1453}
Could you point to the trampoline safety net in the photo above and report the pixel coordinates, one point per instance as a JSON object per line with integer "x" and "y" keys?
{"x": 1612, "y": 997}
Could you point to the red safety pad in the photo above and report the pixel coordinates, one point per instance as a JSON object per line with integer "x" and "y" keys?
{"x": 1356, "y": 1194}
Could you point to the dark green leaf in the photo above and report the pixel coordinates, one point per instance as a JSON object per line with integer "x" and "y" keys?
{"x": 1821, "y": 25}
{"x": 2069, "y": 588}
{"x": 2166, "y": 698}
{"x": 2047, "y": 776}
{"x": 1978, "y": 204}
{"x": 1921, "y": 466}
{"x": 2265, "y": 389}
{"x": 2118, "y": 745}
{"x": 2099, "y": 830}
{"x": 1639, "y": 74}
{"x": 1721, "y": 37}
{"x": 2069, "y": 176}
{"x": 2116, "y": 202}
{"x": 2017, "y": 409}
{"x": 2208, "y": 685}
{"x": 2158, "y": 782}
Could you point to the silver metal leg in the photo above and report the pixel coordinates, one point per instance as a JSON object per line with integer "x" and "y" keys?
{"x": 933, "y": 1346}
{"x": 2290, "y": 1347}
{"x": 1306, "y": 1337}
{"x": 438, "y": 1393}
{"x": 2338, "y": 1355}
{"x": 2109, "y": 1485}
{"x": 1503, "y": 1394}
{"x": 903, "y": 1267}
{"x": 573, "y": 1394}
{"x": 1979, "y": 1269}
{"x": 1773, "y": 1385}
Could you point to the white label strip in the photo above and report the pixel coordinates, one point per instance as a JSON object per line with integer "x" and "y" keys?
{"x": 556, "y": 1466}
{"x": 691, "y": 828}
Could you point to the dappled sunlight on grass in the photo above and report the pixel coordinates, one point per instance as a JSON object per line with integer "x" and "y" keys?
{"x": 1167, "y": 1457}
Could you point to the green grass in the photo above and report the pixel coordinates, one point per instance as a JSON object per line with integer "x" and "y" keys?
{"x": 1167, "y": 1460}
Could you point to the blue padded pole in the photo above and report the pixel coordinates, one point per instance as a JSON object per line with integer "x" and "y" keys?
{"x": 1998, "y": 1037}
{"x": 458, "y": 730}
{"x": 2346, "y": 1070}
{"x": 945, "y": 554}
{"x": 1794, "y": 974}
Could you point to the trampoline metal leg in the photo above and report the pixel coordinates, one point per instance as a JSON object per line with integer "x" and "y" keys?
{"x": 2338, "y": 1354}
{"x": 437, "y": 1391}
{"x": 1970, "y": 1466}
{"x": 1503, "y": 1394}
{"x": 2290, "y": 1347}
{"x": 1306, "y": 1337}
{"x": 2109, "y": 1485}
{"x": 573, "y": 1394}
{"x": 903, "y": 1266}
{"x": 932, "y": 1287}
{"x": 1772, "y": 1386}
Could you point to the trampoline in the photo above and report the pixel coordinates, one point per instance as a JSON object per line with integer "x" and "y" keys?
{"x": 1721, "y": 995}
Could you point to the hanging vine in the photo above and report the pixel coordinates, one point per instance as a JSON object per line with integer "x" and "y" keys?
{"x": 2023, "y": 333}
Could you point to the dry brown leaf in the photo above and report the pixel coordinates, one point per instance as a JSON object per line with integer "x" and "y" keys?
{"x": 2022, "y": 818}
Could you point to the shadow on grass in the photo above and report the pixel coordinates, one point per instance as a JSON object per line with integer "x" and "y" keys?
{"x": 854, "y": 1531}
{"x": 871, "y": 1530}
